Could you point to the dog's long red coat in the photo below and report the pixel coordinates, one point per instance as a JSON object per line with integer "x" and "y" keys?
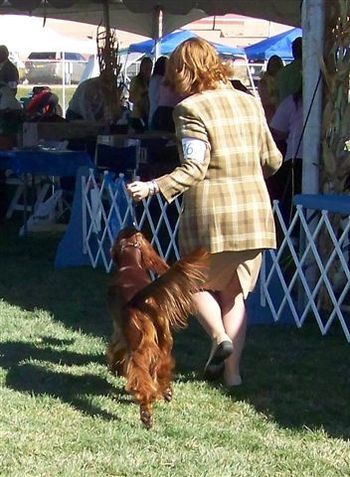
{"x": 145, "y": 312}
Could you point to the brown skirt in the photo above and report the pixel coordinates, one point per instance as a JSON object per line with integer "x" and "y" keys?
{"x": 224, "y": 265}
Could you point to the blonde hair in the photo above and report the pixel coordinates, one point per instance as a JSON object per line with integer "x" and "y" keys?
{"x": 194, "y": 66}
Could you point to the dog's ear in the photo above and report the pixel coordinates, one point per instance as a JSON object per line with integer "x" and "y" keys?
{"x": 113, "y": 253}
{"x": 151, "y": 260}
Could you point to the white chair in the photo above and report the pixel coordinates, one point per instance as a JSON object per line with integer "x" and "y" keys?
{"x": 19, "y": 200}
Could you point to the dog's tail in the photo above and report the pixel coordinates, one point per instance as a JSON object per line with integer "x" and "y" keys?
{"x": 170, "y": 295}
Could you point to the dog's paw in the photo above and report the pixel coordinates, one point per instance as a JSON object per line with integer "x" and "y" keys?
{"x": 168, "y": 394}
{"x": 146, "y": 418}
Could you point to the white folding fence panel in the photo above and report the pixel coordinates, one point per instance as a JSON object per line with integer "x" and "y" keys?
{"x": 308, "y": 275}
{"x": 107, "y": 208}
{"x": 298, "y": 279}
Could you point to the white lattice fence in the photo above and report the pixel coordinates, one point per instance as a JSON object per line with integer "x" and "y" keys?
{"x": 107, "y": 208}
{"x": 296, "y": 279}
{"x": 305, "y": 278}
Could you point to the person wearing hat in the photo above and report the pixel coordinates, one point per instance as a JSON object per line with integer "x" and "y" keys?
{"x": 8, "y": 71}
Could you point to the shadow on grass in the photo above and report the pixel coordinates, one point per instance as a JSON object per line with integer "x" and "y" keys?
{"x": 37, "y": 379}
{"x": 13, "y": 352}
{"x": 28, "y": 279}
{"x": 297, "y": 378}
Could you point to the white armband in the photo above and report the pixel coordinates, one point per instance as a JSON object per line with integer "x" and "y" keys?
{"x": 152, "y": 187}
{"x": 194, "y": 149}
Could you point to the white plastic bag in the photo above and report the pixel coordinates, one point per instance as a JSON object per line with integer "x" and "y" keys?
{"x": 44, "y": 216}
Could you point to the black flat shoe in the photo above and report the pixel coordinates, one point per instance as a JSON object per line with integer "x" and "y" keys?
{"x": 215, "y": 364}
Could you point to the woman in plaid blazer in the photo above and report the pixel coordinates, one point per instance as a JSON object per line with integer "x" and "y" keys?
{"x": 226, "y": 152}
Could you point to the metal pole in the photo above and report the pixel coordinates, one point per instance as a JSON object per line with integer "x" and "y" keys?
{"x": 64, "y": 66}
{"x": 157, "y": 30}
{"x": 313, "y": 25}
{"x": 313, "y": 20}
{"x": 106, "y": 15}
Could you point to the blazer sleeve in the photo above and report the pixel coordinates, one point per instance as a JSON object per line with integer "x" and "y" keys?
{"x": 187, "y": 125}
{"x": 270, "y": 157}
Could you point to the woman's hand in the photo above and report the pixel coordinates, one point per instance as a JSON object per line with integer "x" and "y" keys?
{"x": 138, "y": 190}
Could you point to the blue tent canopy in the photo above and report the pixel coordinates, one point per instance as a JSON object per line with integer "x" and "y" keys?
{"x": 280, "y": 45}
{"x": 169, "y": 42}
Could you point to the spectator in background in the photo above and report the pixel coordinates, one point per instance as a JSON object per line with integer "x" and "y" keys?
{"x": 10, "y": 122}
{"x": 154, "y": 85}
{"x": 163, "y": 116}
{"x": 289, "y": 78}
{"x": 44, "y": 106}
{"x": 88, "y": 100}
{"x": 267, "y": 89}
{"x": 138, "y": 95}
{"x": 8, "y": 101}
{"x": 238, "y": 76}
{"x": 8, "y": 71}
{"x": 287, "y": 124}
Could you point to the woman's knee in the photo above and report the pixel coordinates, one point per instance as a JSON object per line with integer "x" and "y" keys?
{"x": 232, "y": 293}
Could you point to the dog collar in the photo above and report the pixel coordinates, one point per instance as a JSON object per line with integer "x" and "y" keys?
{"x": 130, "y": 244}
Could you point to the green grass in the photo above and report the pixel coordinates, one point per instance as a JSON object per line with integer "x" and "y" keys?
{"x": 63, "y": 414}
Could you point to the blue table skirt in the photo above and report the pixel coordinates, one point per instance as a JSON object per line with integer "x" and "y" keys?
{"x": 5, "y": 161}
{"x": 45, "y": 163}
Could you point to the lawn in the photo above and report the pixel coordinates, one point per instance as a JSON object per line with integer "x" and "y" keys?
{"x": 63, "y": 414}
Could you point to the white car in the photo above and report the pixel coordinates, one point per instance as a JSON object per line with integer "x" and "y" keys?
{"x": 47, "y": 67}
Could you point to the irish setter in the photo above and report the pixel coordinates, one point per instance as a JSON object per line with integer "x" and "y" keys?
{"x": 144, "y": 314}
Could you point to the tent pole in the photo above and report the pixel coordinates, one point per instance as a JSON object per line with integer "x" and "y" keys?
{"x": 63, "y": 63}
{"x": 157, "y": 30}
{"x": 106, "y": 15}
{"x": 313, "y": 20}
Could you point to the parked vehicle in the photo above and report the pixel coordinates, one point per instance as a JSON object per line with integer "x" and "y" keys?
{"x": 47, "y": 67}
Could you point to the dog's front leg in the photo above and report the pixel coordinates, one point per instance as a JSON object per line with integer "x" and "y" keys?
{"x": 165, "y": 367}
{"x": 146, "y": 415}
{"x": 164, "y": 377}
{"x": 116, "y": 354}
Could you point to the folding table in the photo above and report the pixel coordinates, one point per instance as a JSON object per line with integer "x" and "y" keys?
{"x": 43, "y": 162}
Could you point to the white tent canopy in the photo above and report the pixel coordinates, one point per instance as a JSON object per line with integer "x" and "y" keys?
{"x": 39, "y": 38}
{"x": 136, "y": 16}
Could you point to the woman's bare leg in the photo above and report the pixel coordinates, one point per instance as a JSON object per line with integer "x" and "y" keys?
{"x": 234, "y": 318}
{"x": 209, "y": 314}
{"x": 210, "y": 317}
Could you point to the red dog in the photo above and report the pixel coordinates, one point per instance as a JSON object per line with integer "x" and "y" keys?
{"x": 145, "y": 312}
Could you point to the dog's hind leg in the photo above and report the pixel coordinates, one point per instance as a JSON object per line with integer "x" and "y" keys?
{"x": 141, "y": 384}
{"x": 143, "y": 356}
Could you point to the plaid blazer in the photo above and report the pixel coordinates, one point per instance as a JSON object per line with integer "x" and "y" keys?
{"x": 226, "y": 204}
